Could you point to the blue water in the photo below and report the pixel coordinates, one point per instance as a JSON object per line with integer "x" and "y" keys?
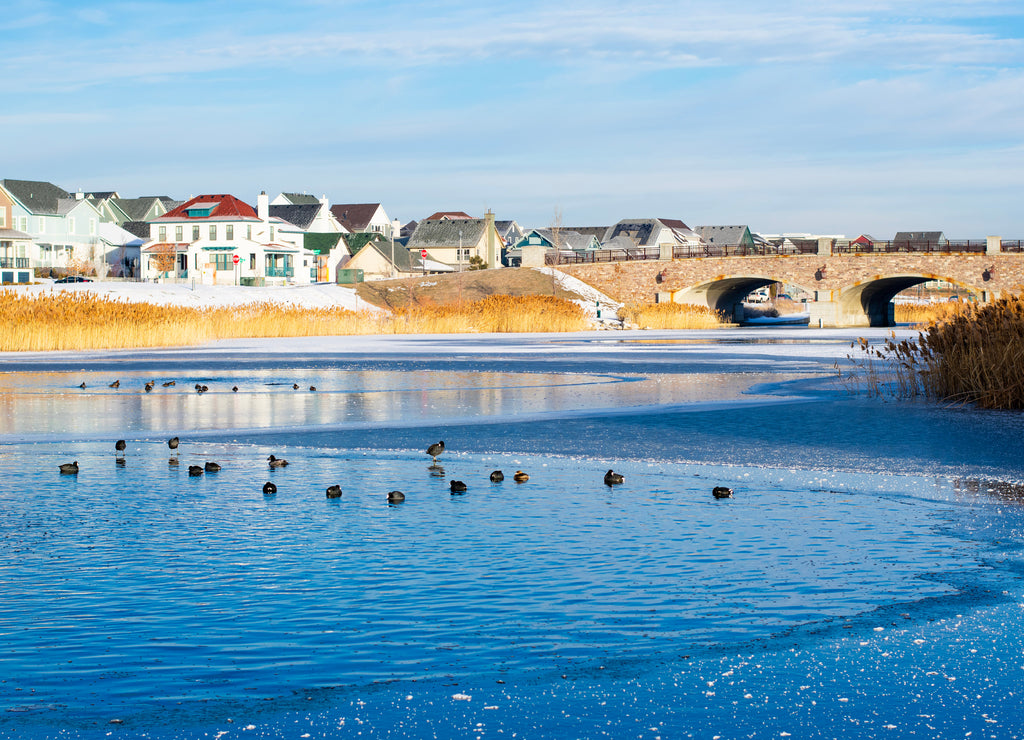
{"x": 837, "y": 593}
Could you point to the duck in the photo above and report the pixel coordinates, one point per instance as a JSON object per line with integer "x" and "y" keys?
{"x": 149, "y": 386}
{"x": 520, "y": 477}
{"x": 116, "y": 384}
{"x": 436, "y": 449}
{"x": 205, "y": 388}
{"x": 295, "y": 386}
{"x": 312, "y": 388}
{"x": 82, "y": 385}
{"x": 611, "y": 478}
{"x": 195, "y": 470}
{"x": 269, "y": 489}
{"x": 172, "y": 461}
{"x": 276, "y": 462}
{"x": 497, "y": 476}
{"x": 172, "y": 443}
{"x": 395, "y": 497}
{"x": 234, "y": 389}
{"x": 69, "y": 468}
{"x": 458, "y": 486}
{"x": 120, "y": 446}
{"x": 334, "y": 491}
{"x": 211, "y": 467}
{"x": 721, "y": 492}
{"x": 168, "y": 384}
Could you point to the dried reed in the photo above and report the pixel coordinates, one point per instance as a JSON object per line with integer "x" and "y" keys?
{"x": 926, "y": 313}
{"x": 670, "y": 316}
{"x": 68, "y": 321}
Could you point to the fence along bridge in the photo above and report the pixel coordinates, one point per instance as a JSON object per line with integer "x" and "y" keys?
{"x": 851, "y": 284}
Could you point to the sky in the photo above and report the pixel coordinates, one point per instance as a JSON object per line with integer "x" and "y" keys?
{"x": 829, "y": 117}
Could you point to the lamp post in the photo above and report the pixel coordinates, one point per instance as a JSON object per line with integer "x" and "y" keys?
{"x": 460, "y": 250}
{"x": 392, "y": 253}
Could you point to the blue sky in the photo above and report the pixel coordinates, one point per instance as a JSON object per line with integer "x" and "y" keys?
{"x": 833, "y": 117}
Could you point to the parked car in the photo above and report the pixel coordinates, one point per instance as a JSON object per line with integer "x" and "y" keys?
{"x": 73, "y": 279}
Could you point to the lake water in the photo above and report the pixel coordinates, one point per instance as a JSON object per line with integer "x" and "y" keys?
{"x": 864, "y": 580}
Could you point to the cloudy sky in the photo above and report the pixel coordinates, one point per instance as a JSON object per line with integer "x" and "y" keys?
{"x": 828, "y": 116}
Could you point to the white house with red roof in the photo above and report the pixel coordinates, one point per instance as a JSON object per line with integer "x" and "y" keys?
{"x": 220, "y": 240}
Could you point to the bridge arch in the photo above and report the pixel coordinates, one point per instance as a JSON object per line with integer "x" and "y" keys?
{"x": 870, "y": 302}
{"x": 725, "y": 293}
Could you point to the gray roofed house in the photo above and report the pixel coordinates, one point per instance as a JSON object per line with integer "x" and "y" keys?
{"x": 301, "y": 215}
{"x": 457, "y": 241}
{"x": 37, "y": 197}
{"x": 597, "y": 232}
{"x": 918, "y": 237}
{"x": 144, "y": 209}
{"x": 139, "y": 228}
{"x": 726, "y": 236}
{"x": 294, "y": 199}
{"x": 509, "y": 231}
{"x": 651, "y": 232}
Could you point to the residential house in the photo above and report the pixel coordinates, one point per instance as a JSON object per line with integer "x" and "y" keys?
{"x": 201, "y": 239}
{"x": 121, "y": 250}
{"x": 364, "y": 218}
{"x": 379, "y": 260}
{"x": 918, "y": 240}
{"x": 735, "y": 239}
{"x": 449, "y": 215}
{"x": 330, "y": 253}
{"x": 456, "y": 242}
{"x": 315, "y": 217}
{"x": 294, "y": 199}
{"x": 568, "y": 242}
{"x": 509, "y": 231}
{"x": 145, "y": 208}
{"x": 15, "y": 246}
{"x": 64, "y": 228}
{"x": 650, "y": 232}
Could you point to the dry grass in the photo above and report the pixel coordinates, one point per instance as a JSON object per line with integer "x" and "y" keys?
{"x": 72, "y": 320}
{"x": 973, "y": 356}
{"x": 670, "y": 316}
{"x": 926, "y": 313}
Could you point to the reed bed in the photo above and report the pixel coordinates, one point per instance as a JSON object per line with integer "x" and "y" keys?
{"x": 926, "y": 313}
{"x": 73, "y": 320}
{"x": 974, "y": 356}
{"x": 670, "y": 316}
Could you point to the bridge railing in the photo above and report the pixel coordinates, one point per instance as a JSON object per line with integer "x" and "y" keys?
{"x": 1012, "y": 245}
{"x": 680, "y": 251}
{"x": 943, "y": 245}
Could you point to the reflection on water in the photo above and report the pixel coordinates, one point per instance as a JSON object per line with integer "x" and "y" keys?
{"x": 41, "y": 403}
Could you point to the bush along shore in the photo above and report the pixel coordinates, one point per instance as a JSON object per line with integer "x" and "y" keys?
{"x": 973, "y": 356}
{"x": 70, "y": 321}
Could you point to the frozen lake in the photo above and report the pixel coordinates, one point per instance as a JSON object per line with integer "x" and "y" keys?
{"x": 863, "y": 581}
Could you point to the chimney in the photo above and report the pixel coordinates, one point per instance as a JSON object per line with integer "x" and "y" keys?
{"x": 493, "y": 254}
{"x": 263, "y": 206}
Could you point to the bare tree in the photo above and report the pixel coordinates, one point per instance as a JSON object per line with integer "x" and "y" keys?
{"x": 556, "y": 242}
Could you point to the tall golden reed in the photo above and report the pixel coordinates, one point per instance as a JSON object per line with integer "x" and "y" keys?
{"x": 72, "y": 320}
{"x": 670, "y": 316}
{"x": 973, "y": 356}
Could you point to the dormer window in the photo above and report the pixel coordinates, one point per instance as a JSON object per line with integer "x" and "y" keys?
{"x": 200, "y": 210}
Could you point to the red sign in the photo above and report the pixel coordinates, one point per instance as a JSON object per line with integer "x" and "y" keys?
{"x": 423, "y": 253}
{"x": 234, "y": 259}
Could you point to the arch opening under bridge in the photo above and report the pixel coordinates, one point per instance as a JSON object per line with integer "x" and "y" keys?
{"x": 871, "y": 303}
{"x": 725, "y": 294}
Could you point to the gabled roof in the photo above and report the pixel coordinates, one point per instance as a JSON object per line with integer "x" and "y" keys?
{"x": 322, "y": 243}
{"x": 139, "y": 228}
{"x": 357, "y": 241}
{"x": 36, "y": 196}
{"x": 136, "y": 208}
{"x": 641, "y": 230}
{"x": 301, "y": 215}
{"x": 450, "y": 215}
{"x": 729, "y": 236}
{"x": 446, "y": 233}
{"x": 103, "y": 195}
{"x": 354, "y": 216}
{"x": 221, "y": 207}
{"x": 567, "y": 239}
{"x": 919, "y": 236}
{"x": 597, "y": 232}
{"x": 298, "y": 199}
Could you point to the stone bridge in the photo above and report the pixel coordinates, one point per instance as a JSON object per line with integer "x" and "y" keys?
{"x": 848, "y": 289}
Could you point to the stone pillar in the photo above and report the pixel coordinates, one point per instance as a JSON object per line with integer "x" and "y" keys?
{"x": 993, "y": 245}
{"x": 533, "y": 255}
{"x": 493, "y": 258}
{"x": 824, "y": 247}
{"x": 665, "y": 251}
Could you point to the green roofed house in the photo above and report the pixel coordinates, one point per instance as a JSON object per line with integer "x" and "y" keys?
{"x": 372, "y": 255}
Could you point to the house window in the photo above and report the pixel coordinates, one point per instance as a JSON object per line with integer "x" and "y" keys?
{"x": 248, "y": 234}
{"x": 462, "y": 254}
{"x": 271, "y": 233}
{"x": 162, "y": 234}
{"x": 229, "y": 232}
{"x": 183, "y": 262}
{"x": 3, "y": 217}
{"x": 222, "y": 261}
{"x": 252, "y": 261}
{"x": 178, "y": 233}
{"x": 195, "y": 233}
{"x": 213, "y": 232}
{"x": 92, "y": 227}
{"x": 24, "y": 223}
{"x": 71, "y": 225}
{"x": 42, "y": 225}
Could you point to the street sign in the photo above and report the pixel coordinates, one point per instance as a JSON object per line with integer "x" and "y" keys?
{"x": 234, "y": 259}
{"x": 423, "y": 253}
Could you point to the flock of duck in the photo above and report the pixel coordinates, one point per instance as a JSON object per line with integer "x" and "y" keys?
{"x": 199, "y": 387}
{"x": 611, "y": 478}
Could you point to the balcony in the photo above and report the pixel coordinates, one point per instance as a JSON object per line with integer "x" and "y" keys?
{"x": 280, "y": 272}
{"x": 14, "y": 262}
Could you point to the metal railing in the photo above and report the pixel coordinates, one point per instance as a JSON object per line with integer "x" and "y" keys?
{"x": 281, "y": 272}
{"x": 15, "y": 262}
{"x": 973, "y": 246}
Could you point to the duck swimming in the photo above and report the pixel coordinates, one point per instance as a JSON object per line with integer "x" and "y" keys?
{"x": 69, "y": 468}
{"x": 611, "y": 478}
{"x": 721, "y": 492}
{"x": 334, "y": 491}
{"x": 211, "y": 467}
{"x": 458, "y": 486}
{"x": 497, "y": 476}
{"x": 520, "y": 477}
{"x": 269, "y": 489}
{"x": 195, "y": 470}
{"x": 276, "y": 462}
{"x": 395, "y": 497}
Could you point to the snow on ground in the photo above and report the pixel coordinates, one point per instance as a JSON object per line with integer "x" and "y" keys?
{"x": 324, "y": 295}
{"x": 590, "y": 298}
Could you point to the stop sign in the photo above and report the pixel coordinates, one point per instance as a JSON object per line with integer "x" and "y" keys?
{"x": 423, "y": 253}
{"x": 234, "y": 258}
